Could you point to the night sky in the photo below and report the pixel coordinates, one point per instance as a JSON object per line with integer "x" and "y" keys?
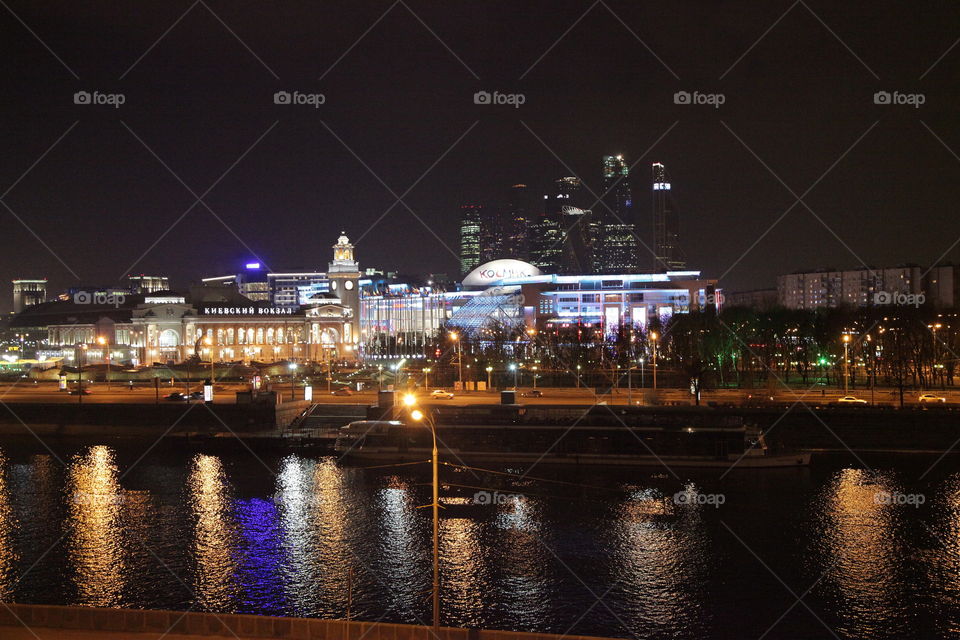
{"x": 798, "y": 80}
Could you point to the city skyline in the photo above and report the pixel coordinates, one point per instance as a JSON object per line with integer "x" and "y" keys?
{"x": 199, "y": 118}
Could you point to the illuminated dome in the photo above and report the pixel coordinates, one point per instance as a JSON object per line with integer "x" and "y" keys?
{"x": 496, "y": 270}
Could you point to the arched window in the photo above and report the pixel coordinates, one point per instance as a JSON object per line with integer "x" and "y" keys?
{"x": 250, "y": 335}
{"x": 270, "y": 335}
{"x": 220, "y": 336}
{"x": 259, "y": 336}
{"x": 230, "y": 335}
{"x": 280, "y": 335}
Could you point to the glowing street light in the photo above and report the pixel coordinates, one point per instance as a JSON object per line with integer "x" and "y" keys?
{"x": 653, "y": 357}
{"x": 419, "y": 416}
{"x": 456, "y": 338}
{"x": 489, "y": 371}
{"x": 106, "y": 350}
{"x": 846, "y": 362}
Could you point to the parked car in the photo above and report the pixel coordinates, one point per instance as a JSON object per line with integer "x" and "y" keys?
{"x": 851, "y": 400}
{"x": 930, "y": 397}
{"x": 533, "y": 393}
{"x": 440, "y": 394}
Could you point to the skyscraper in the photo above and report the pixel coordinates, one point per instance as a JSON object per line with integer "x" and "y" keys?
{"x": 548, "y": 233}
{"x": 469, "y": 237}
{"x": 518, "y": 216}
{"x": 666, "y": 224}
{"x": 618, "y": 246}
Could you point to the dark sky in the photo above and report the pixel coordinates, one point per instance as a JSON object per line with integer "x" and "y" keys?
{"x": 398, "y": 99}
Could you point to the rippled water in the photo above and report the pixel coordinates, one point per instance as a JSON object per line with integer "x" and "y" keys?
{"x": 608, "y": 553}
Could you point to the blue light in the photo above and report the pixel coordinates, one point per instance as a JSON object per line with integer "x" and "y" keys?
{"x": 253, "y": 265}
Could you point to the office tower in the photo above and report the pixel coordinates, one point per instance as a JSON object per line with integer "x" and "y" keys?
{"x": 27, "y": 293}
{"x": 517, "y": 222}
{"x": 491, "y": 233}
{"x": 579, "y": 235}
{"x": 148, "y": 284}
{"x": 469, "y": 237}
{"x": 548, "y": 233}
{"x": 666, "y": 224}
{"x": 618, "y": 246}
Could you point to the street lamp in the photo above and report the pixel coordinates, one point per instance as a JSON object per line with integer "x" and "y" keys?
{"x": 456, "y": 338}
{"x": 419, "y": 416}
{"x": 293, "y": 390}
{"x": 846, "y": 362}
{"x": 106, "y": 350}
{"x": 426, "y": 378}
{"x": 513, "y": 367}
{"x": 489, "y": 371}
{"x": 653, "y": 357}
{"x": 534, "y": 368}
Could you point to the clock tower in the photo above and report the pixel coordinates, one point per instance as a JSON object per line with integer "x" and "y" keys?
{"x": 344, "y": 276}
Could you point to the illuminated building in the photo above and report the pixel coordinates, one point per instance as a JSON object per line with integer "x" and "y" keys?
{"x": 666, "y": 224}
{"x": 862, "y": 287}
{"x": 469, "y": 237}
{"x": 514, "y": 294}
{"x": 28, "y": 292}
{"x": 618, "y": 247}
{"x": 148, "y": 284}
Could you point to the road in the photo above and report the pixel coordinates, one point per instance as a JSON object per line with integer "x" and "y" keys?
{"x": 226, "y": 394}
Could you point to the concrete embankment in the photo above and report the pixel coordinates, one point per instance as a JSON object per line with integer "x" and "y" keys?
{"x": 145, "y": 419}
{"x": 56, "y": 622}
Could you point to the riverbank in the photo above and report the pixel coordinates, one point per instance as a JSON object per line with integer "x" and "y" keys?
{"x": 45, "y": 622}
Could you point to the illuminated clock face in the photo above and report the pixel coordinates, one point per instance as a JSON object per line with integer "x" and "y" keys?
{"x": 348, "y": 285}
{"x": 333, "y": 285}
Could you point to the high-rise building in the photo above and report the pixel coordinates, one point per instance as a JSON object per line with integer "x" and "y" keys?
{"x": 618, "y": 246}
{"x": 148, "y": 284}
{"x": 548, "y": 233}
{"x": 492, "y": 232}
{"x": 469, "y": 237}
{"x": 27, "y": 293}
{"x": 518, "y": 216}
{"x": 666, "y": 224}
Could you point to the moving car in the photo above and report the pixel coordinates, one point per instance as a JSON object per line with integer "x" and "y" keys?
{"x": 343, "y": 391}
{"x": 851, "y": 400}
{"x": 79, "y": 392}
{"x": 533, "y": 393}
{"x": 175, "y": 396}
{"x": 930, "y": 397}
{"x": 441, "y": 394}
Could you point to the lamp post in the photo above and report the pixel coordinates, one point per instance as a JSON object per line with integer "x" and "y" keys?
{"x": 513, "y": 367}
{"x": 426, "y": 378}
{"x": 209, "y": 342}
{"x": 293, "y": 388}
{"x": 106, "y": 350}
{"x": 846, "y": 362}
{"x": 534, "y": 368}
{"x": 933, "y": 369}
{"x": 578, "y": 376}
{"x": 80, "y": 372}
{"x": 653, "y": 357}
{"x": 456, "y": 338}
{"x": 489, "y": 371}
{"x": 419, "y": 416}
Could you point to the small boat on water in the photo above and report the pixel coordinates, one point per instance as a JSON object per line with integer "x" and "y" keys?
{"x": 706, "y": 445}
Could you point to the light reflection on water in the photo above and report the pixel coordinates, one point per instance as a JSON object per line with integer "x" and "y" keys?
{"x": 215, "y": 532}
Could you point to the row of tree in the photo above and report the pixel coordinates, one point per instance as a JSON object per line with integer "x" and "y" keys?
{"x": 738, "y": 347}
